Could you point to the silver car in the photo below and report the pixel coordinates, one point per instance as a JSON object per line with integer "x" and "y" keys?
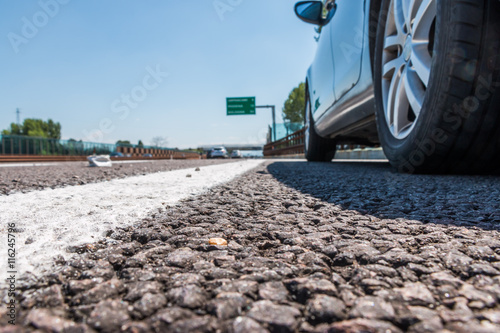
{"x": 218, "y": 152}
{"x": 418, "y": 77}
{"x": 236, "y": 154}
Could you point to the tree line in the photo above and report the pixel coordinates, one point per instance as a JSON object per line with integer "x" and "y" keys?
{"x": 49, "y": 129}
{"x": 35, "y": 128}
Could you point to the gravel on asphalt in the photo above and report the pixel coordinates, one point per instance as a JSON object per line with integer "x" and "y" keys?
{"x": 312, "y": 247}
{"x": 29, "y": 178}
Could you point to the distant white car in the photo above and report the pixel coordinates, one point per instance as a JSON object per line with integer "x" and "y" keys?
{"x": 218, "y": 152}
{"x": 236, "y": 154}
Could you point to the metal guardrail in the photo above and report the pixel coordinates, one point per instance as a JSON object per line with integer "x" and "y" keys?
{"x": 292, "y": 144}
{"x": 39, "y": 159}
{"x": 157, "y": 153}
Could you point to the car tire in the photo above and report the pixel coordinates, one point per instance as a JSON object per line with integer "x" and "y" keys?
{"x": 316, "y": 148}
{"x": 436, "y": 79}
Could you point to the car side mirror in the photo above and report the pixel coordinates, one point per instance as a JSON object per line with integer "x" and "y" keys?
{"x": 312, "y": 12}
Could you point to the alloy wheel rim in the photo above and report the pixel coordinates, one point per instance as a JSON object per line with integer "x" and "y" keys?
{"x": 406, "y": 62}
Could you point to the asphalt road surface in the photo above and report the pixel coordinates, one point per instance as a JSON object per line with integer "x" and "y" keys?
{"x": 39, "y": 176}
{"x": 51, "y": 220}
{"x": 336, "y": 247}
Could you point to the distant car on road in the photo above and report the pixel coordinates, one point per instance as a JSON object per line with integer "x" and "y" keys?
{"x": 116, "y": 154}
{"x": 218, "y": 152}
{"x": 420, "y": 78}
{"x": 236, "y": 154}
{"x": 147, "y": 155}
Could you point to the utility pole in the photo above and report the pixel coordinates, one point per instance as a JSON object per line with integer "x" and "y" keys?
{"x": 18, "y": 117}
{"x": 272, "y": 107}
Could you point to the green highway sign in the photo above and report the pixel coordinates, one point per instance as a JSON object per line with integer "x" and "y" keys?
{"x": 240, "y": 106}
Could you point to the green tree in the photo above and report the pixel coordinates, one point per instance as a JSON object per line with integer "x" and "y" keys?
{"x": 293, "y": 109}
{"x": 35, "y": 128}
{"x": 15, "y": 129}
{"x": 140, "y": 144}
{"x": 53, "y": 129}
{"x": 123, "y": 143}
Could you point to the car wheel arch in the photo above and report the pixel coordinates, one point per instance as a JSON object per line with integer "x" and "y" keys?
{"x": 373, "y": 22}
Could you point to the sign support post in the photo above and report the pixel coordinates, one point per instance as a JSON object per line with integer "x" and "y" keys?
{"x": 237, "y": 106}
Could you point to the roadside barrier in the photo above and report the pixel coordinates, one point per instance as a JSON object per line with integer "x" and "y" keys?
{"x": 38, "y": 158}
{"x": 293, "y": 146}
{"x": 157, "y": 153}
{"x": 17, "y": 148}
{"x": 41, "y": 159}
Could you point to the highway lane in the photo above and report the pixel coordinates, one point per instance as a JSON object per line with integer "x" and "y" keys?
{"x": 312, "y": 247}
{"x": 26, "y": 177}
{"x": 27, "y": 164}
{"x": 53, "y": 220}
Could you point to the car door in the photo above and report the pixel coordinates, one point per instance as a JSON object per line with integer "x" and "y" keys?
{"x": 347, "y": 35}
{"x": 321, "y": 77}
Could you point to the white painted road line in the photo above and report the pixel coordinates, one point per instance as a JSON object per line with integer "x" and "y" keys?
{"x": 51, "y": 220}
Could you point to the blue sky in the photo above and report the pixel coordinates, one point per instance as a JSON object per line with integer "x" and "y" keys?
{"x": 130, "y": 70}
